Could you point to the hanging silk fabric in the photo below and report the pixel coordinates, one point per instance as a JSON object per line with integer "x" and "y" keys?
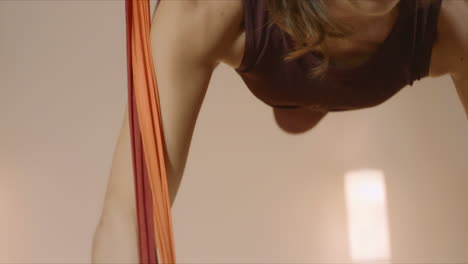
{"x": 155, "y": 235}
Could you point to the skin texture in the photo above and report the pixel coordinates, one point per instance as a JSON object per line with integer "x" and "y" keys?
{"x": 363, "y": 8}
{"x": 450, "y": 52}
{"x": 179, "y": 22}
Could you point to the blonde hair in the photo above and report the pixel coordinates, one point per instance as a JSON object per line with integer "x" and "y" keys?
{"x": 308, "y": 23}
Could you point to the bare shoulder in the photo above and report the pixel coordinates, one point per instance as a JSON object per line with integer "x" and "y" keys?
{"x": 450, "y": 51}
{"x": 228, "y": 14}
{"x": 209, "y": 27}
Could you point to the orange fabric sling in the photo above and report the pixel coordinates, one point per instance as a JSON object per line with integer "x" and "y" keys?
{"x": 155, "y": 234}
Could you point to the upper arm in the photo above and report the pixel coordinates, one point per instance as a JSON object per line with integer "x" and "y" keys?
{"x": 458, "y": 11}
{"x": 450, "y": 52}
{"x": 187, "y": 39}
{"x": 460, "y": 80}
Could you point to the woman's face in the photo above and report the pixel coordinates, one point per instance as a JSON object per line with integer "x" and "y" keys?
{"x": 345, "y": 8}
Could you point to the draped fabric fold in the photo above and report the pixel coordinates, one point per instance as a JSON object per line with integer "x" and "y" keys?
{"x": 155, "y": 234}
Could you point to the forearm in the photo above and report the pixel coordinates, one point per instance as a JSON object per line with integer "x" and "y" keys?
{"x": 173, "y": 181}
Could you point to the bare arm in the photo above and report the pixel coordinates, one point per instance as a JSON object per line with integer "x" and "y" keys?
{"x": 461, "y": 83}
{"x": 458, "y": 21}
{"x": 188, "y": 40}
{"x": 450, "y": 53}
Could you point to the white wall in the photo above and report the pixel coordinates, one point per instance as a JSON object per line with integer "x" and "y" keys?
{"x": 63, "y": 89}
{"x": 251, "y": 192}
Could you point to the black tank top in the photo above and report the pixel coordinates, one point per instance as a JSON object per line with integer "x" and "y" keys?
{"x": 400, "y": 60}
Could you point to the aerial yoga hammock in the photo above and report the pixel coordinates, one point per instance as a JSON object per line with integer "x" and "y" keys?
{"x": 155, "y": 235}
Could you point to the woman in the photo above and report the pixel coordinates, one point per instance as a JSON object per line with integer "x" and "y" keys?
{"x": 342, "y": 55}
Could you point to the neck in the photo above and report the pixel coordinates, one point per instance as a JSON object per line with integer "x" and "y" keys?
{"x": 369, "y": 33}
{"x": 370, "y": 24}
{"x": 366, "y": 9}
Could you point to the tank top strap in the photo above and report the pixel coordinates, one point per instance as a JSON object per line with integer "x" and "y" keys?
{"x": 425, "y": 18}
{"x": 255, "y": 22}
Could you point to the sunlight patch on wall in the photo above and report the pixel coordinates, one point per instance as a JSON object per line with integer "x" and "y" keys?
{"x": 366, "y": 204}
